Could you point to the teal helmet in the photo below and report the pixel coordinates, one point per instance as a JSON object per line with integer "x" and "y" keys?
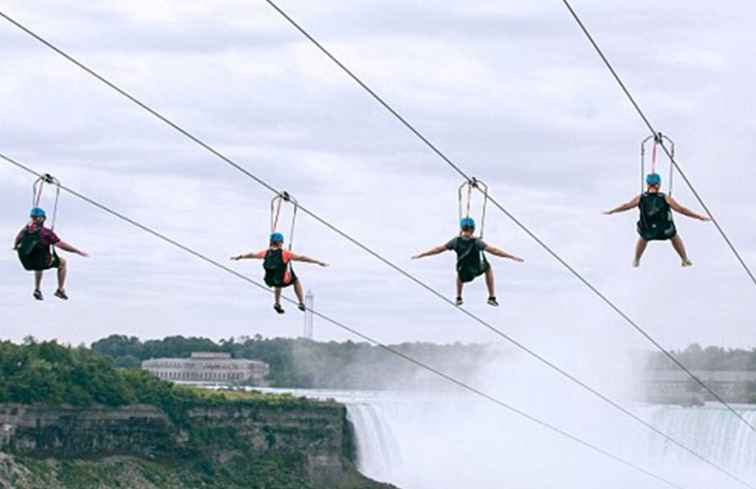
{"x": 467, "y": 222}
{"x": 276, "y": 238}
{"x": 37, "y": 212}
{"x": 653, "y": 179}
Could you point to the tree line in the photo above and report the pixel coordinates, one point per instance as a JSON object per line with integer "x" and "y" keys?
{"x": 714, "y": 358}
{"x": 302, "y": 363}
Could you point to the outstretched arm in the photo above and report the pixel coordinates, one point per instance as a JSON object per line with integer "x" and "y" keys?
{"x": 685, "y": 211}
{"x": 306, "y": 259}
{"x": 69, "y": 248}
{"x": 433, "y": 251}
{"x": 625, "y": 207}
{"x": 502, "y": 254}
{"x": 248, "y": 256}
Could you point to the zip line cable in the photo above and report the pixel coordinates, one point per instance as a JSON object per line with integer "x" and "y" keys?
{"x": 390, "y": 264}
{"x": 353, "y": 331}
{"x": 522, "y": 226}
{"x": 677, "y": 167}
{"x": 654, "y": 133}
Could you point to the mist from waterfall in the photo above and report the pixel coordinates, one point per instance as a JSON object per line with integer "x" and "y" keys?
{"x": 453, "y": 440}
{"x": 417, "y": 436}
{"x": 444, "y": 444}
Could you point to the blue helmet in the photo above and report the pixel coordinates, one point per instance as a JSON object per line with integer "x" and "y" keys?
{"x": 653, "y": 179}
{"x": 37, "y": 212}
{"x": 276, "y": 238}
{"x": 467, "y": 222}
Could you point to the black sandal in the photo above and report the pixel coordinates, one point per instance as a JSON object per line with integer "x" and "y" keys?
{"x": 278, "y": 308}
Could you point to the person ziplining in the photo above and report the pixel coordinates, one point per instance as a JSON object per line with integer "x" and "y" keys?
{"x": 279, "y": 273}
{"x": 470, "y": 250}
{"x": 656, "y": 222}
{"x": 36, "y": 244}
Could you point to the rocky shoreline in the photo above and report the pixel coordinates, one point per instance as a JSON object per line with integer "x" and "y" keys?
{"x": 282, "y": 444}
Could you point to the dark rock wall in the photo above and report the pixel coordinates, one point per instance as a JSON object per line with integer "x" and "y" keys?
{"x": 317, "y": 434}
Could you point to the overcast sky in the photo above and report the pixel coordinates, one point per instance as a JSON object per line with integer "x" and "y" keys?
{"x": 510, "y": 90}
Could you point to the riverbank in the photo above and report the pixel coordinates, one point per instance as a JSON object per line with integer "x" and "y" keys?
{"x": 285, "y": 443}
{"x": 68, "y": 420}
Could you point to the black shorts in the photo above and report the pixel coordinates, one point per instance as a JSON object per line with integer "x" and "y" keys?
{"x": 657, "y": 234}
{"x": 468, "y": 275}
{"x": 38, "y": 262}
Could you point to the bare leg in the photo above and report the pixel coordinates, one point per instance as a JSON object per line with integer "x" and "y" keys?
{"x": 640, "y": 247}
{"x": 299, "y": 292}
{"x": 277, "y": 294}
{"x": 459, "y": 287}
{"x": 37, "y": 280}
{"x": 679, "y": 246}
{"x": 62, "y": 272}
{"x": 490, "y": 282}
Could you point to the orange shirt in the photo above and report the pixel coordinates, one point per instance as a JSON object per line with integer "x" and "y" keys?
{"x": 286, "y": 255}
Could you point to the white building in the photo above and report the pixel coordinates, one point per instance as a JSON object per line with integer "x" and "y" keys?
{"x": 209, "y": 368}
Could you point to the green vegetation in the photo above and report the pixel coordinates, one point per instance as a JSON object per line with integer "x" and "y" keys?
{"x": 212, "y": 443}
{"x": 308, "y": 364}
{"x": 49, "y": 373}
{"x": 276, "y": 472}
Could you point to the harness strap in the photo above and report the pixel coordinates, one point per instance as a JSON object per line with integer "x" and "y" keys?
{"x": 653, "y": 157}
{"x": 38, "y": 189}
{"x": 275, "y": 213}
{"x": 465, "y": 205}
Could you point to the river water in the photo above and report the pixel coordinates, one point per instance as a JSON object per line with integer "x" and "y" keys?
{"x": 434, "y": 441}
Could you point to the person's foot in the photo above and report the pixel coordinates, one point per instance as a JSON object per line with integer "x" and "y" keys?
{"x": 38, "y": 295}
{"x": 492, "y": 302}
{"x": 61, "y": 294}
{"x": 687, "y": 263}
{"x": 458, "y": 301}
{"x": 302, "y": 307}
{"x": 636, "y": 263}
{"x": 278, "y": 308}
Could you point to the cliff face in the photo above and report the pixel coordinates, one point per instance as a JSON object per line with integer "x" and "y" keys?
{"x": 230, "y": 445}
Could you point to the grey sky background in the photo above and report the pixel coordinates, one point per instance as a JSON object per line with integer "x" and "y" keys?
{"x": 510, "y": 90}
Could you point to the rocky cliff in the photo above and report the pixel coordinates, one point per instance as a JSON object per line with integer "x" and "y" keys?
{"x": 268, "y": 445}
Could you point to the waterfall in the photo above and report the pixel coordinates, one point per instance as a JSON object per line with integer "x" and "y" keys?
{"x": 712, "y": 431}
{"x": 448, "y": 444}
{"x": 378, "y": 453}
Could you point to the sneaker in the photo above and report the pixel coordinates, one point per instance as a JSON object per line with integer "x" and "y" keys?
{"x": 278, "y": 308}
{"x": 38, "y": 295}
{"x": 302, "y": 307}
{"x": 458, "y": 301}
{"x": 492, "y": 302}
{"x": 61, "y": 294}
{"x": 687, "y": 263}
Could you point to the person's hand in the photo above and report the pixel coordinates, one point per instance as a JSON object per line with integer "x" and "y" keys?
{"x": 518, "y": 259}
{"x": 607, "y": 213}
{"x": 705, "y": 218}
{"x": 322, "y": 264}
{"x": 82, "y": 253}
{"x": 236, "y": 258}
{"x": 416, "y": 257}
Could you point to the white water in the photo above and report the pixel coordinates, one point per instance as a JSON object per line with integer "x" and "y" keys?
{"x": 444, "y": 441}
{"x": 435, "y": 443}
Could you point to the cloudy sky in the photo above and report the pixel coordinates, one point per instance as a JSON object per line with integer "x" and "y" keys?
{"x": 510, "y": 90}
